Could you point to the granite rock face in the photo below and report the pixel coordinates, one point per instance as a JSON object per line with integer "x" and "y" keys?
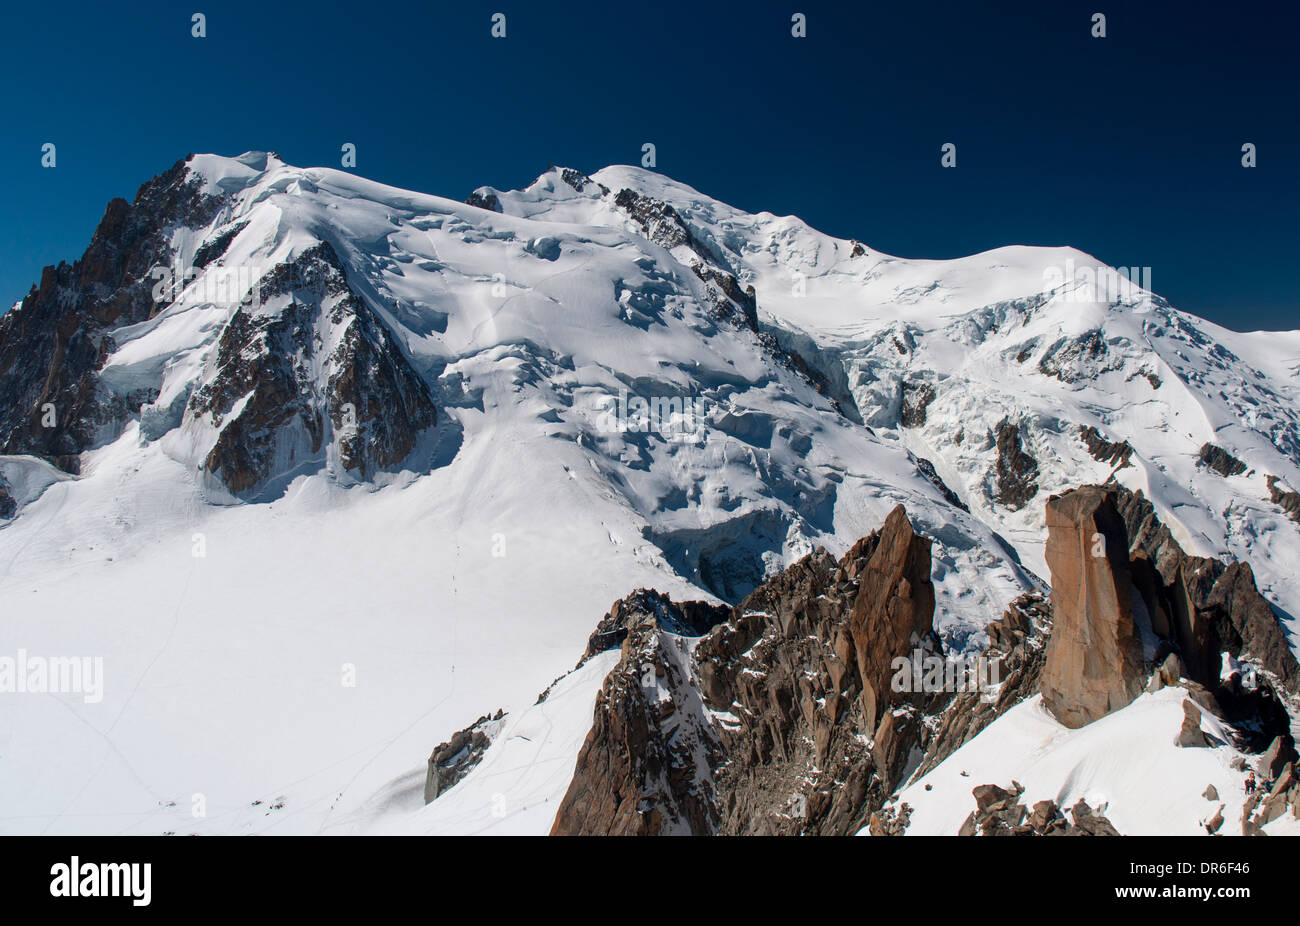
{"x": 893, "y": 611}
{"x": 767, "y": 726}
{"x": 53, "y": 345}
{"x": 1118, "y": 576}
{"x": 782, "y": 716}
{"x": 1017, "y": 646}
{"x": 1094, "y": 659}
{"x": 645, "y": 766}
{"x": 1204, "y": 606}
{"x": 318, "y": 379}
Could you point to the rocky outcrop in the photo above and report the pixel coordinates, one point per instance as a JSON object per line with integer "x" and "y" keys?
{"x": 484, "y": 199}
{"x": 456, "y": 758}
{"x": 687, "y": 618}
{"x": 1279, "y": 754}
{"x": 1115, "y": 565}
{"x": 1075, "y": 360}
{"x": 662, "y": 224}
{"x": 893, "y": 611}
{"x": 54, "y": 343}
{"x": 1190, "y": 735}
{"x": 1094, "y": 659}
{"x": 1286, "y": 499}
{"x": 785, "y": 717}
{"x": 782, "y": 675}
{"x": 1279, "y": 793}
{"x": 917, "y": 397}
{"x": 264, "y": 398}
{"x": 1204, "y": 606}
{"x": 581, "y": 182}
{"x": 645, "y": 766}
{"x": 1116, "y": 453}
{"x": 1219, "y": 460}
{"x": 1015, "y": 472}
{"x": 771, "y": 727}
{"x": 890, "y": 821}
{"x": 926, "y": 469}
{"x": 999, "y": 812}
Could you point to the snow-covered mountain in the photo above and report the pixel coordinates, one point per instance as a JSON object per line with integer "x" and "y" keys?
{"x": 324, "y": 470}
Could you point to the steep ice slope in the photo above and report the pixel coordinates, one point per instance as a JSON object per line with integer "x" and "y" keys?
{"x": 943, "y": 356}
{"x": 543, "y": 326}
{"x": 277, "y": 656}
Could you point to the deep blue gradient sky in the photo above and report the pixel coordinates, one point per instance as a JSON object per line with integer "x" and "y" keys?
{"x": 1127, "y": 147}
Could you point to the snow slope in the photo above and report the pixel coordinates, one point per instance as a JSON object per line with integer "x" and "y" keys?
{"x": 1148, "y": 785}
{"x": 452, "y": 588}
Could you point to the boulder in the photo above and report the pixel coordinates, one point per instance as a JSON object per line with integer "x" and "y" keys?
{"x": 1215, "y": 823}
{"x": 1190, "y": 735}
{"x": 1279, "y": 753}
{"x": 1167, "y": 673}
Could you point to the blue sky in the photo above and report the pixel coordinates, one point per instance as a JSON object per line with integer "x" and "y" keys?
{"x": 1128, "y": 147}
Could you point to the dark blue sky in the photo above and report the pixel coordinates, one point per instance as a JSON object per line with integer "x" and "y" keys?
{"x": 1128, "y": 147}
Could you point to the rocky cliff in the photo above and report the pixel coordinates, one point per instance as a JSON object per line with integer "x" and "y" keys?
{"x": 1094, "y": 659}
{"x": 784, "y": 718}
{"x": 1133, "y": 610}
{"x": 52, "y": 345}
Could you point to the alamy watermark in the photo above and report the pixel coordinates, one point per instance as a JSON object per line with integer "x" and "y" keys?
{"x": 922, "y": 674}
{"x": 236, "y": 285}
{"x": 1096, "y": 284}
{"x": 29, "y": 674}
{"x": 75, "y": 878}
{"x": 679, "y": 419}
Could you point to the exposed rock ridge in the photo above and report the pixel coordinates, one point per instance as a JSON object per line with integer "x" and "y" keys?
{"x": 54, "y": 343}
{"x": 1286, "y": 499}
{"x": 1017, "y": 647}
{"x": 1216, "y": 458}
{"x": 262, "y": 394}
{"x": 456, "y": 758}
{"x": 1117, "y": 453}
{"x": 645, "y": 768}
{"x": 1208, "y": 606}
{"x": 794, "y": 740}
{"x": 1015, "y": 472}
{"x": 1133, "y": 611}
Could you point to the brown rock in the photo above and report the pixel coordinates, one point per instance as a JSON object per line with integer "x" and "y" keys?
{"x": 894, "y": 609}
{"x": 1094, "y": 657}
{"x": 1279, "y": 753}
{"x": 1216, "y": 822}
{"x": 637, "y": 772}
{"x": 1168, "y": 673}
{"x": 1190, "y": 735}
